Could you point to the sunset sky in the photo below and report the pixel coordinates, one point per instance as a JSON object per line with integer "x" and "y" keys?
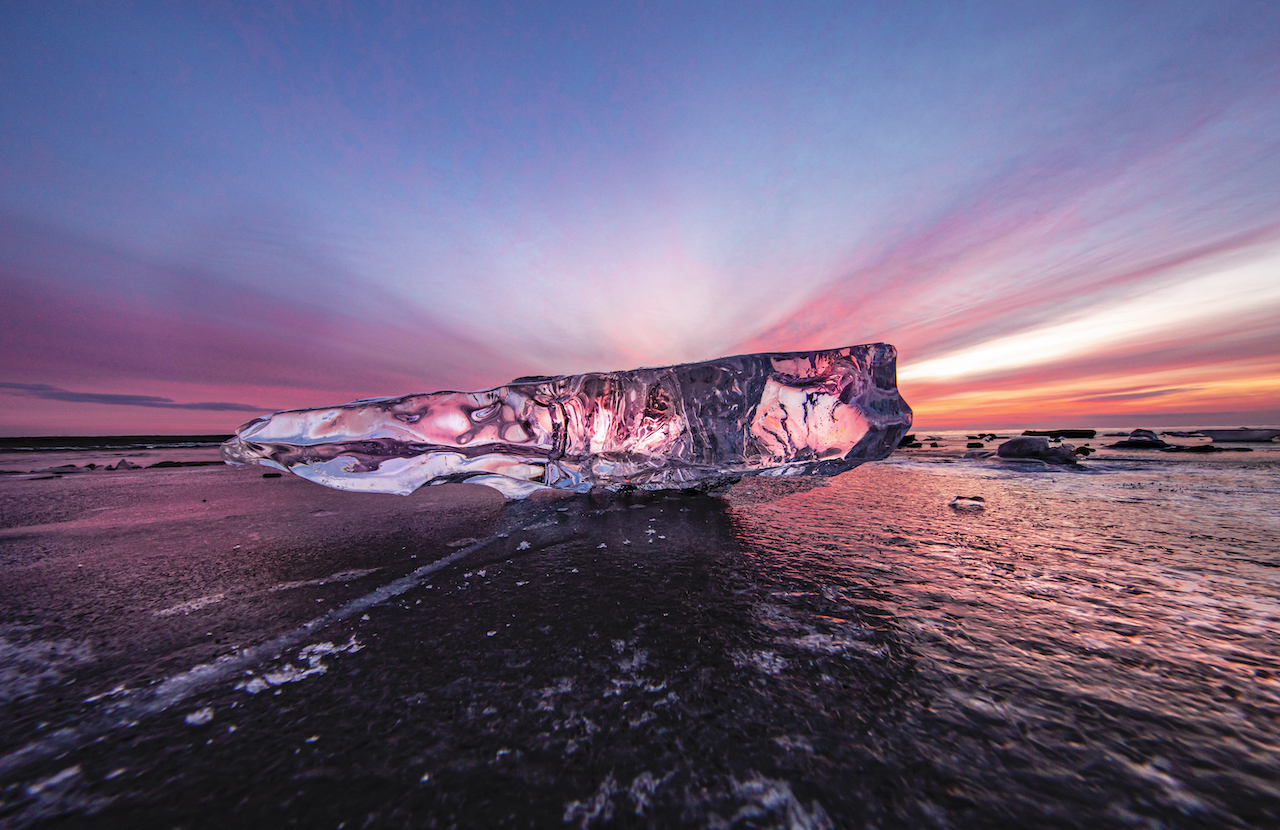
{"x": 1060, "y": 213}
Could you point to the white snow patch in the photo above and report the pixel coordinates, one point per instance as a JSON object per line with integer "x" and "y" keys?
{"x": 289, "y": 673}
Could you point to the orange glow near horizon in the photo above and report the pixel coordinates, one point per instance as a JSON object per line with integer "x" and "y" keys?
{"x": 1189, "y": 392}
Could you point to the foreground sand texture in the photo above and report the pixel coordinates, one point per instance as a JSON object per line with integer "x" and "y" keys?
{"x": 857, "y": 651}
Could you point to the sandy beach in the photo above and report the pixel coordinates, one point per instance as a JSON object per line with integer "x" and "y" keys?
{"x": 204, "y": 646}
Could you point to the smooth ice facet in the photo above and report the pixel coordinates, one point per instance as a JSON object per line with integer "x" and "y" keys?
{"x": 697, "y": 425}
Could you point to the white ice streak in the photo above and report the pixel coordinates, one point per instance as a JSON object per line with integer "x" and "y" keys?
{"x": 312, "y": 655}
{"x": 190, "y": 605}
{"x": 341, "y": 576}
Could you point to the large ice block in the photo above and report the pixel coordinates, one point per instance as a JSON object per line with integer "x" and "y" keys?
{"x": 696, "y": 425}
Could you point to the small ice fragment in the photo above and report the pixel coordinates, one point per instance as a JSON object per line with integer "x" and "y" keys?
{"x": 54, "y": 780}
{"x": 199, "y": 717}
{"x": 312, "y": 739}
{"x": 491, "y": 633}
{"x": 601, "y": 545}
{"x": 967, "y": 504}
{"x": 522, "y": 546}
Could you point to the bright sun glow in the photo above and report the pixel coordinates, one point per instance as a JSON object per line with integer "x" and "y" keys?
{"x": 1202, "y": 301}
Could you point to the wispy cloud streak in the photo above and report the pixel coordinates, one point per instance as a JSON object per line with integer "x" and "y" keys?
{"x": 53, "y": 393}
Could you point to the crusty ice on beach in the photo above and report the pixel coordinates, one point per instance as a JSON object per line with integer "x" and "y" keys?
{"x": 696, "y": 425}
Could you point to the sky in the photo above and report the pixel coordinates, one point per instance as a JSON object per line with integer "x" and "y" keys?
{"x": 1060, "y": 213}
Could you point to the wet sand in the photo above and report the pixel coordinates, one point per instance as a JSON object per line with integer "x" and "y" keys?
{"x": 205, "y": 647}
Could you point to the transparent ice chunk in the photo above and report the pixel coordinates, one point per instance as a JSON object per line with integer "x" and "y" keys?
{"x": 696, "y": 425}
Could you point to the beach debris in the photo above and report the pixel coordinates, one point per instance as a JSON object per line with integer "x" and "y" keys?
{"x": 693, "y": 426}
{"x": 1037, "y": 447}
{"x": 968, "y": 504}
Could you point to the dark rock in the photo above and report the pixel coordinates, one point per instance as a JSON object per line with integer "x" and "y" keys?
{"x": 1037, "y": 447}
{"x": 1141, "y": 439}
{"x": 907, "y": 439}
{"x": 974, "y": 445}
{"x": 272, "y": 475}
{"x": 1062, "y": 433}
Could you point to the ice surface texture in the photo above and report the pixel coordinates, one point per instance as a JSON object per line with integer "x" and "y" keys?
{"x": 697, "y": 425}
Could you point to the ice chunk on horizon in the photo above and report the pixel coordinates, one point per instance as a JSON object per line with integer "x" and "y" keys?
{"x": 695, "y": 425}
